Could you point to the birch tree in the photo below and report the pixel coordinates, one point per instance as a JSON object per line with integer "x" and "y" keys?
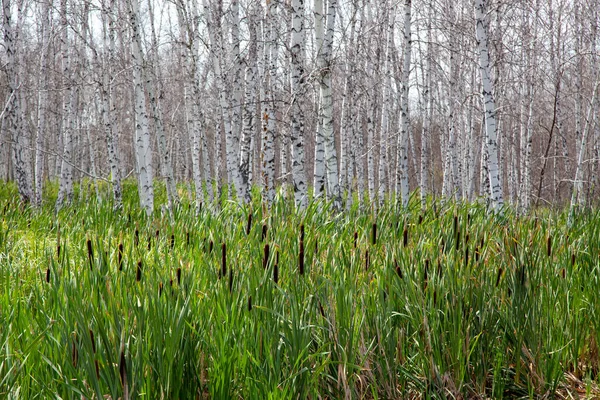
{"x": 70, "y": 106}
{"x": 326, "y": 167}
{"x": 143, "y": 150}
{"x": 12, "y": 111}
{"x": 107, "y": 96}
{"x": 404, "y": 116}
{"x": 491, "y": 145}
{"x": 297, "y": 119}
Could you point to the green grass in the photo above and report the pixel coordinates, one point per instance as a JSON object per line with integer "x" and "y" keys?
{"x": 444, "y": 302}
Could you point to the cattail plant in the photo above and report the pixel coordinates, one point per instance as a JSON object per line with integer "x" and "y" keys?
{"x": 90, "y": 253}
{"x": 138, "y": 273}
{"x": 120, "y": 257}
{"x": 249, "y": 223}
{"x": 276, "y": 273}
{"x": 301, "y": 232}
{"x": 355, "y": 239}
{"x": 123, "y": 375}
{"x": 172, "y": 242}
{"x": 58, "y": 242}
{"x": 223, "y": 260}
{"x": 266, "y": 256}
{"x": 499, "y": 276}
{"x": 374, "y": 234}
{"x": 367, "y": 260}
{"x": 405, "y": 236}
{"x": 74, "y": 350}
{"x": 178, "y": 275}
{"x": 136, "y": 237}
{"x": 93, "y": 341}
{"x": 264, "y": 233}
{"x": 160, "y": 289}
{"x": 187, "y": 238}
{"x": 249, "y": 303}
{"x": 425, "y": 275}
{"x": 230, "y": 280}
{"x": 48, "y": 275}
{"x": 398, "y": 270}
{"x": 549, "y": 246}
{"x": 301, "y": 258}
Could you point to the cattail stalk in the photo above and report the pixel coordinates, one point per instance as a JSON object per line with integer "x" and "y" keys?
{"x": 138, "y": 273}
{"x": 249, "y": 223}
{"x": 264, "y": 233}
{"x": 374, "y": 234}
{"x": 120, "y": 256}
{"x": 223, "y": 260}
{"x": 301, "y": 258}
{"x": 266, "y": 252}
{"x": 90, "y": 251}
{"x": 178, "y": 274}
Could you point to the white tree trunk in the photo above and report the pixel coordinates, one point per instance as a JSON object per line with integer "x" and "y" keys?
{"x": 495, "y": 188}
{"x": 14, "y": 121}
{"x": 153, "y": 84}
{"x": 143, "y": 150}
{"x": 65, "y": 192}
{"x": 107, "y": 98}
{"x": 297, "y": 119}
{"x": 42, "y": 103}
{"x": 326, "y": 167}
{"x": 404, "y": 114}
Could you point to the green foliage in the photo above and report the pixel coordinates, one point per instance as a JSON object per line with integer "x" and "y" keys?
{"x": 446, "y": 301}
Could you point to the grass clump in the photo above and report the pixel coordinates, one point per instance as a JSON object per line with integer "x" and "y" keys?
{"x": 446, "y": 301}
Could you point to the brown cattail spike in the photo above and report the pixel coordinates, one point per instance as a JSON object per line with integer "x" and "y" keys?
{"x": 48, "y": 275}
{"x": 374, "y": 234}
{"x": 136, "y": 237}
{"x": 355, "y": 239}
{"x": 249, "y": 223}
{"x": 90, "y": 253}
{"x": 123, "y": 375}
{"x": 138, "y": 274}
{"x": 549, "y": 246}
{"x": 74, "y": 351}
{"x": 266, "y": 252}
{"x": 405, "y": 236}
{"x": 301, "y": 258}
{"x": 367, "y": 260}
{"x": 178, "y": 274}
{"x": 398, "y": 270}
{"x": 276, "y": 274}
{"x": 223, "y": 260}
{"x": 172, "y": 241}
{"x": 120, "y": 256}
{"x": 230, "y": 280}
{"x": 160, "y": 289}
{"x": 264, "y": 233}
{"x": 93, "y": 341}
{"x": 572, "y": 259}
{"x": 499, "y": 276}
{"x": 302, "y": 232}
{"x": 249, "y": 303}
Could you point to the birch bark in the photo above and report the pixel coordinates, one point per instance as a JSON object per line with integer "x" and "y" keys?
{"x": 143, "y": 150}
{"x": 404, "y": 116}
{"x": 297, "y": 119}
{"x": 495, "y": 188}
{"x": 14, "y": 121}
{"x": 107, "y": 98}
